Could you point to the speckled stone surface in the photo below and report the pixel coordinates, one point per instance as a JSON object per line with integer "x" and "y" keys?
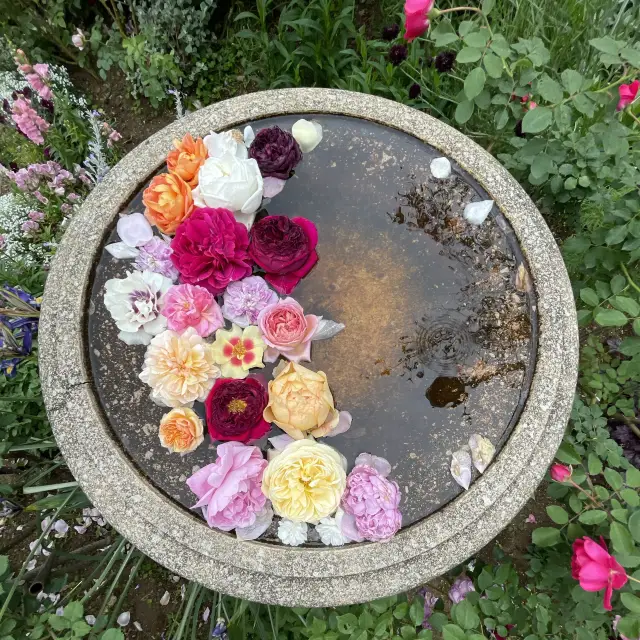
{"x": 269, "y": 573}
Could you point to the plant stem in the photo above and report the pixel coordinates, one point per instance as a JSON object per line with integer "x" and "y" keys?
{"x": 195, "y": 589}
{"x": 49, "y": 487}
{"x": 104, "y": 574}
{"x": 629, "y": 278}
{"x": 125, "y": 591}
{"x": 475, "y": 10}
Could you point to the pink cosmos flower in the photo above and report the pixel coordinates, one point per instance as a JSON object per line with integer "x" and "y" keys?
{"x": 229, "y": 491}
{"x": 595, "y": 568}
{"x": 287, "y": 331}
{"x": 417, "y": 22}
{"x": 628, "y": 93}
{"x": 187, "y": 305}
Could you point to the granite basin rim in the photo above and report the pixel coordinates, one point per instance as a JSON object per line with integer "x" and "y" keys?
{"x": 270, "y": 573}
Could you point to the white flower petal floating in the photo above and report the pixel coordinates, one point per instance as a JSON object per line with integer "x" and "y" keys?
{"x": 292, "y": 533}
{"x": 261, "y": 524}
{"x": 134, "y": 229}
{"x": 121, "y": 250}
{"x": 249, "y": 136}
{"x": 135, "y": 337}
{"x": 482, "y": 451}
{"x": 440, "y": 168}
{"x": 273, "y": 186}
{"x": 477, "y": 212}
{"x": 381, "y": 465}
{"x": 308, "y": 134}
{"x": 344, "y": 424}
{"x": 461, "y": 468}
{"x": 327, "y": 329}
{"x": 330, "y": 530}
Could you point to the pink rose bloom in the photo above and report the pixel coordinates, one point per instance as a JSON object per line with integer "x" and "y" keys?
{"x": 287, "y": 331}
{"x": 371, "y": 502}
{"x": 416, "y": 20}
{"x": 627, "y": 93}
{"x": 187, "y": 305}
{"x": 229, "y": 491}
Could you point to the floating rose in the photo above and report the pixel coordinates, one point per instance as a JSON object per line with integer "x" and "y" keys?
{"x": 134, "y": 303}
{"x": 287, "y": 331}
{"x": 305, "y": 482}
{"x": 245, "y": 299}
{"x": 181, "y": 430}
{"x": 285, "y": 248}
{"x": 234, "y": 410}
{"x": 308, "y": 134}
{"x": 228, "y": 490}
{"x": 228, "y": 142}
{"x": 238, "y": 350}
{"x": 179, "y": 368}
{"x": 155, "y": 256}
{"x": 168, "y": 202}
{"x": 210, "y": 249}
{"x": 276, "y": 152}
{"x": 300, "y": 402}
{"x": 291, "y": 533}
{"x": 330, "y": 530}
{"x": 187, "y": 305}
{"x": 187, "y": 158}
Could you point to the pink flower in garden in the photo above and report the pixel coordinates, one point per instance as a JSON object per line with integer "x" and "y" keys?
{"x": 22, "y": 62}
{"x": 595, "y": 568}
{"x": 460, "y": 588}
{"x": 560, "y": 472}
{"x": 78, "y": 39}
{"x": 287, "y": 331}
{"x": 628, "y": 93}
{"x": 3, "y": 242}
{"x": 30, "y": 227}
{"x": 36, "y": 215}
{"x": 114, "y": 136}
{"x": 531, "y": 519}
{"x": 37, "y": 79}
{"x": 532, "y": 105}
{"x": 28, "y": 121}
{"x": 187, "y": 305}
{"x": 229, "y": 491}
{"x": 416, "y": 13}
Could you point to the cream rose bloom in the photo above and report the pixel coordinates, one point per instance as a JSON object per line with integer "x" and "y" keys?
{"x": 306, "y": 481}
{"x": 179, "y": 368}
{"x": 300, "y": 402}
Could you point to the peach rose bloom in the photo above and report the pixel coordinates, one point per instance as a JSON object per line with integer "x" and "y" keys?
{"x": 181, "y": 430}
{"x": 168, "y": 202}
{"x": 187, "y": 158}
{"x": 300, "y": 402}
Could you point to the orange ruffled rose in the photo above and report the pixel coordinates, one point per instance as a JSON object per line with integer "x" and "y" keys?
{"x": 187, "y": 158}
{"x": 181, "y": 430}
{"x": 168, "y": 202}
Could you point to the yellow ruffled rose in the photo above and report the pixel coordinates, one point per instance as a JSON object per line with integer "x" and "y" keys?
{"x": 181, "y": 430}
{"x": 300, "y": 402}
{"x": 306, "y": 481}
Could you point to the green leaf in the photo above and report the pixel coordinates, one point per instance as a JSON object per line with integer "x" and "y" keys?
{"x": 636, "y": 326}
{"x": 627, "y": 561}
{"x": 501, "y": 119}
{"x": 4, "y": 565}
{"x": 631, "y": 55}
{"x": 593, "y": 516}
{"x": 500, "y": 45}
{"x": 401, "y": 610}
{"x": 425, "y": 634}
{"x": 621, "y": 539}
{"x": 606, "y": 45}
{"x": 537, "y": 120}
{"x": 443, "y": 39}
{"x": 558, "y": 514}
{"x": 465, "y": 615}
{"x": 452, "y": 632}
{"x": 493, "y": 65}
{"x": 542, "y": 165}
{"x": 468, "y": 54}
{"x": 80, "y": 628}
{"x": 545, "y": 536}
{"x": 631, "y": 602}
{"x": 477, "y": 39}
{"x": 572, "y": 80}
{"x": 584, "y": 104}
{"x": 74, "y": 611}
{"x": 464, "y": 111}
{"x": 566, "y": 453}
{"x": 365, "y": 620}
{"x": 474, "y": 82}
{"x": 594, "y": 465}
{"x": 610, "y": 318}
{"x": 589, "y": 297}
{"x": 618, "y": 283}
{"x": 613, "y": 478}
{"x": 347, "y": 623}
{"x": 550, "y": 90}
{"x": 416, "y": 611}
{"x": 634, "y": 525}
{"x": 487, "y": 6}
{"x": 628, "y": 305}
{"x": 438, "y": 620}
{"x": 112, "y": 634}
{"x": 632, "y": 480}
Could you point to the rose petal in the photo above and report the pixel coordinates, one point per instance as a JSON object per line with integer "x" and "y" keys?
{"x": 381, "y": 465}
{"x": 164, "y": 601}
{"x": 482, "y": 451}
{"x": 280, "y": 442}
{"x": 134, "y": 229}
{"x": 461, "y": 468}
{"x": 120, "y": 250}
{"x": 344, "y": 424}
{"x": 307, "y": 134}
{"x": 135, "y": 337}
{"x": 477, "y": 212}
{"x": 348, "y": 527}
{"x": 272, "y": 186}
{"x": 123, "y": 619}
{"x": 261, "y": 524}
{"x": 440, "y": 168}
{"x": 249, "y": 136}
{"x": 327, "y": 329}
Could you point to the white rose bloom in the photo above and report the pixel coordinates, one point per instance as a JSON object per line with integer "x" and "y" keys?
{"x": 308, "y": 134}
{"x": 230, "y": 183}
{"x": 133, "y": 303}
{"x": 292, "y": 533}
{"x": 220, "y": 144}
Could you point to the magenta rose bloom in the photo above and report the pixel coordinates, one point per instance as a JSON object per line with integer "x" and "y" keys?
{"x": 229, "y": 491}
{"x": 276, "y": 152}
{"x": 285, "y": 248}
{"x": 234, "y": 409}
{"x": 372, "y": 501}
{"x": 210, "y": 249}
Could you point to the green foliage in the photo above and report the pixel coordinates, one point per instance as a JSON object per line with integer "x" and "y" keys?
{"x": 14, "y": 147}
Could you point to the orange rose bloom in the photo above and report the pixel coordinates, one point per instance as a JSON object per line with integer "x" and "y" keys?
{"x": 181, "y": 430}
{"x": 187, "y": 158}
{"x": 168, "y": 202}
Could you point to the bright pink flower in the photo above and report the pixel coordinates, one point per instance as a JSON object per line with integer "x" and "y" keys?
{"x": 524, "y": 98}
{"x": 628, "y": 93}
{"x": 560, "y": 472}
{"x": 36, "y": 78}
{"x": 187, "y": 305}
{"x": 287, "y": 331}
{"x": 416, "y": 13}
{"x": 532, "y": 105}
{"x": 229, "y": 491}
{"x": 28, "y": 121}
{"x": 595, "y": 568}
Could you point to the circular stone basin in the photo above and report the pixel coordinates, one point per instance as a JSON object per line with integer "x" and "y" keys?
{"x": 451, "y": 329}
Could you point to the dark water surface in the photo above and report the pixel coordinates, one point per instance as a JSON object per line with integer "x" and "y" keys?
{"x": 439, "y": 343}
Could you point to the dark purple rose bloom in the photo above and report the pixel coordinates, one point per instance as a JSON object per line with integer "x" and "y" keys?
{"x": 391, "y": 32}
{"x": 276, "y": 152}
{"x": 445, "y": 60}
{"x": 397, "y": 54}
{"x": 414, "y": 90}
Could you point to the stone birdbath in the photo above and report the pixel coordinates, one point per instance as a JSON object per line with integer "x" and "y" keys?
{"x": 452, "y": 328}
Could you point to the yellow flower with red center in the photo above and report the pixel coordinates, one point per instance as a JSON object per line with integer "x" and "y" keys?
{"x": 181, "y": 430}
{"x": 238, "y": 350}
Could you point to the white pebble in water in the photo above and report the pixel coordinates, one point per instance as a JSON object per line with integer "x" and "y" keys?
{"x": 440, "y": 168}
{"x": 477, "y": 212}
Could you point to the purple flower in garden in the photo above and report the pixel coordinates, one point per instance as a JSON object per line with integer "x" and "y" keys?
{"x": 30, "y": 226}
{"x": 27, "y": 93}
{"x": 155, "y": 256}
{"x": 397, "y": 54}
{"x": 3, "y": 242}
{"x": 220, "y": 630}
{"x": 245, "y": 299}
{"x": 40, "y": 197}
{"x": 73, "y": 197}
{"x": 391, "y": 32}
{"x": 414, "y": 90}
{"x": 429, "y": 604}
{"x": 36, "y": 215}
{"x": 66, "y": 208}
{"x": 460, "y": 588}
{"x": 445, "y": 60}
{"x": 16, "y": 335}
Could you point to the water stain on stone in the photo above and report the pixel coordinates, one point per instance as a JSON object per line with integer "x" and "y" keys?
{"x": 446, "y": 392}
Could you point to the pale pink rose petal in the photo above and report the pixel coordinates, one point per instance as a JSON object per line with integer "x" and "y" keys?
{"x": 272, "y": 187}
{"x": 344, "y": 424}
{"x": 349, "y": 529}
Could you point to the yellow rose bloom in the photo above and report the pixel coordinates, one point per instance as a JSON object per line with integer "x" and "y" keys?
{"x": 181, "y": 430}
{"x": 238, "y": 350}
{"x": 306, "y": 481}
{"x": 300, "y": 401}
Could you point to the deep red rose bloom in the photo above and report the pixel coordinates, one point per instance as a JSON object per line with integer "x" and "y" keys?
{"x": 276, "y": 152}
{"x": 285, "y": 248}
{"x": 234, "y": 409}
{"x": 210, "y": 249}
